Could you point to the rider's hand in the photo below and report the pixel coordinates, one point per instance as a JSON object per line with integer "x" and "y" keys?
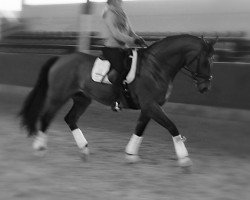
{"x": 140, "y": 41}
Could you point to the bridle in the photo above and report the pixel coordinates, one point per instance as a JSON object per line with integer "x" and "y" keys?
{"x": 194, "y": 75}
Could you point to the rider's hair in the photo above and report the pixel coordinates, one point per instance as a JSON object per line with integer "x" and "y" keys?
{"x": 110, "y": 1}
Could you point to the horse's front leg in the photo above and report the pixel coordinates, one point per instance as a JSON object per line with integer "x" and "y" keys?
{"x": 155, "y": 112}
{"x": 133, "y": 146}
{"x": 80, "y": 104}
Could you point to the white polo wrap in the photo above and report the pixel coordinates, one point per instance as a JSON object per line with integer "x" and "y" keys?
{"x": 79, "y": 138}
{"x": 133, "y": 145}
{"x": 180, "y": 148}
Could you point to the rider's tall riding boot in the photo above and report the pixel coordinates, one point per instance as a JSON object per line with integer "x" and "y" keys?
{"x": 116, "y": 81}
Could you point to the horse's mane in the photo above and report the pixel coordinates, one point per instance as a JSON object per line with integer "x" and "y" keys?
{"x": 158, "y": 46}
{"x": 171, "y": 38}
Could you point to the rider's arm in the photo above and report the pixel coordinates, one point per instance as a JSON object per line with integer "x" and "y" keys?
{"x": 110, "y": 19}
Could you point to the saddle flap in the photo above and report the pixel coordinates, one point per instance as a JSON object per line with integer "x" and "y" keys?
{"x": 102, "y": 67}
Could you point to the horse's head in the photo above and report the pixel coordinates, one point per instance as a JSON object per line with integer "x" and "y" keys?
{"x": 199, "y": 63}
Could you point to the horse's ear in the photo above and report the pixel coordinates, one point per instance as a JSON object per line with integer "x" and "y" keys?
{"x": 202, "y": 38}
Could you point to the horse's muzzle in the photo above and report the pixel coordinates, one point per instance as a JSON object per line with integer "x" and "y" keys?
{"x": 204, "y": 86}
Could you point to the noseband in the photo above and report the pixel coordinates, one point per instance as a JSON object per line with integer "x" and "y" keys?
{"x": 194, "y": 75}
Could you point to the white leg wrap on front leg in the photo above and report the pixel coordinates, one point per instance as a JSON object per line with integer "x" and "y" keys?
{"x": 79, "y": 138}
{"x": 180, "y": 148}
{"x": 40, "y": 142}
{"x": 133, "y": 146}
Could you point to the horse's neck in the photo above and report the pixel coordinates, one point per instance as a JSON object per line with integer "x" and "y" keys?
{"x": 170, "y": 58}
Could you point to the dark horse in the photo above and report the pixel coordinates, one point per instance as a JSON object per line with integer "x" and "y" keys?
{"x": 70, "y": 77}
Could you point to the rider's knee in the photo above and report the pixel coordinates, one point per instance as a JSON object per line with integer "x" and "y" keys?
{"x": 113, "y": 76}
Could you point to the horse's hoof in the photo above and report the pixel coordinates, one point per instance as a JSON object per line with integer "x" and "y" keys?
{"x": 40, "y": 143}
{"x": 84, "y": 153}
{"x": 185, "y": 162}
{"x": 132, "y": 158}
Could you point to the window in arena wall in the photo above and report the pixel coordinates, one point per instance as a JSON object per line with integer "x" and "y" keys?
{"x": 16, "y": 5}
{"x": 48, "y": 2}
{"x": 10, "y": 5}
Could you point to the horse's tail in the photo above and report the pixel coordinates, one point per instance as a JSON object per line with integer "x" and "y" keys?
{"x": 34, "y": 102}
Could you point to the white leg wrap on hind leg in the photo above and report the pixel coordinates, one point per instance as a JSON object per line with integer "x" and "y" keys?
{"x": 133, "y": 145}
{"x": 40, "y": 141}
{"x": 79, "y": 138}
{"x": 180, "y": 148}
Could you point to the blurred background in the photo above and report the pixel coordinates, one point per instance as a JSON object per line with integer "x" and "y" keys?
{"x": 33, "y": 30}
{"x": 26, "y": 22}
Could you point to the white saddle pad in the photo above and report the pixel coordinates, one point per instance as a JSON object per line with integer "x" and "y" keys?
{"x": 101, "y": 68}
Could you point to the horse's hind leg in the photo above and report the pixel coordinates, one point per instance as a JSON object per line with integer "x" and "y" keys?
{"x": 133, "y": 146}
{"x": 80, "y": 104}
{"x": 156, "y": 112}
{"x": 52, "y": 105}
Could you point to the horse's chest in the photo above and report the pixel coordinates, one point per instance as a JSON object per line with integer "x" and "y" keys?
{"x": 169, "y": 91}
{"x": 164, "y": 96}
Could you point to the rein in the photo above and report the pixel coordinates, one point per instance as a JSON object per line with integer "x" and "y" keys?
{"x": 194, "y": 75}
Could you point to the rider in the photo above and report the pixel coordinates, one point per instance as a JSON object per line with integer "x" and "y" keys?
{"x": 119, "y": 37}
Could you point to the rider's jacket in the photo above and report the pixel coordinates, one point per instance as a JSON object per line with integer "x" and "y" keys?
{"x": 119, "y": 33}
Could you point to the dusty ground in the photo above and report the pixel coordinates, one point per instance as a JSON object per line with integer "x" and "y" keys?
{"x": 219, "y": 149}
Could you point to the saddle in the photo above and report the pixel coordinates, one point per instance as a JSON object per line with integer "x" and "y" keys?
{"x": 102, "y": 72}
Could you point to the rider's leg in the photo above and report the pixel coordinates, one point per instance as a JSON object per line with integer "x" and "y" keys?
{"x": 116, "y": 57}
{"x": 117, "y": 84}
